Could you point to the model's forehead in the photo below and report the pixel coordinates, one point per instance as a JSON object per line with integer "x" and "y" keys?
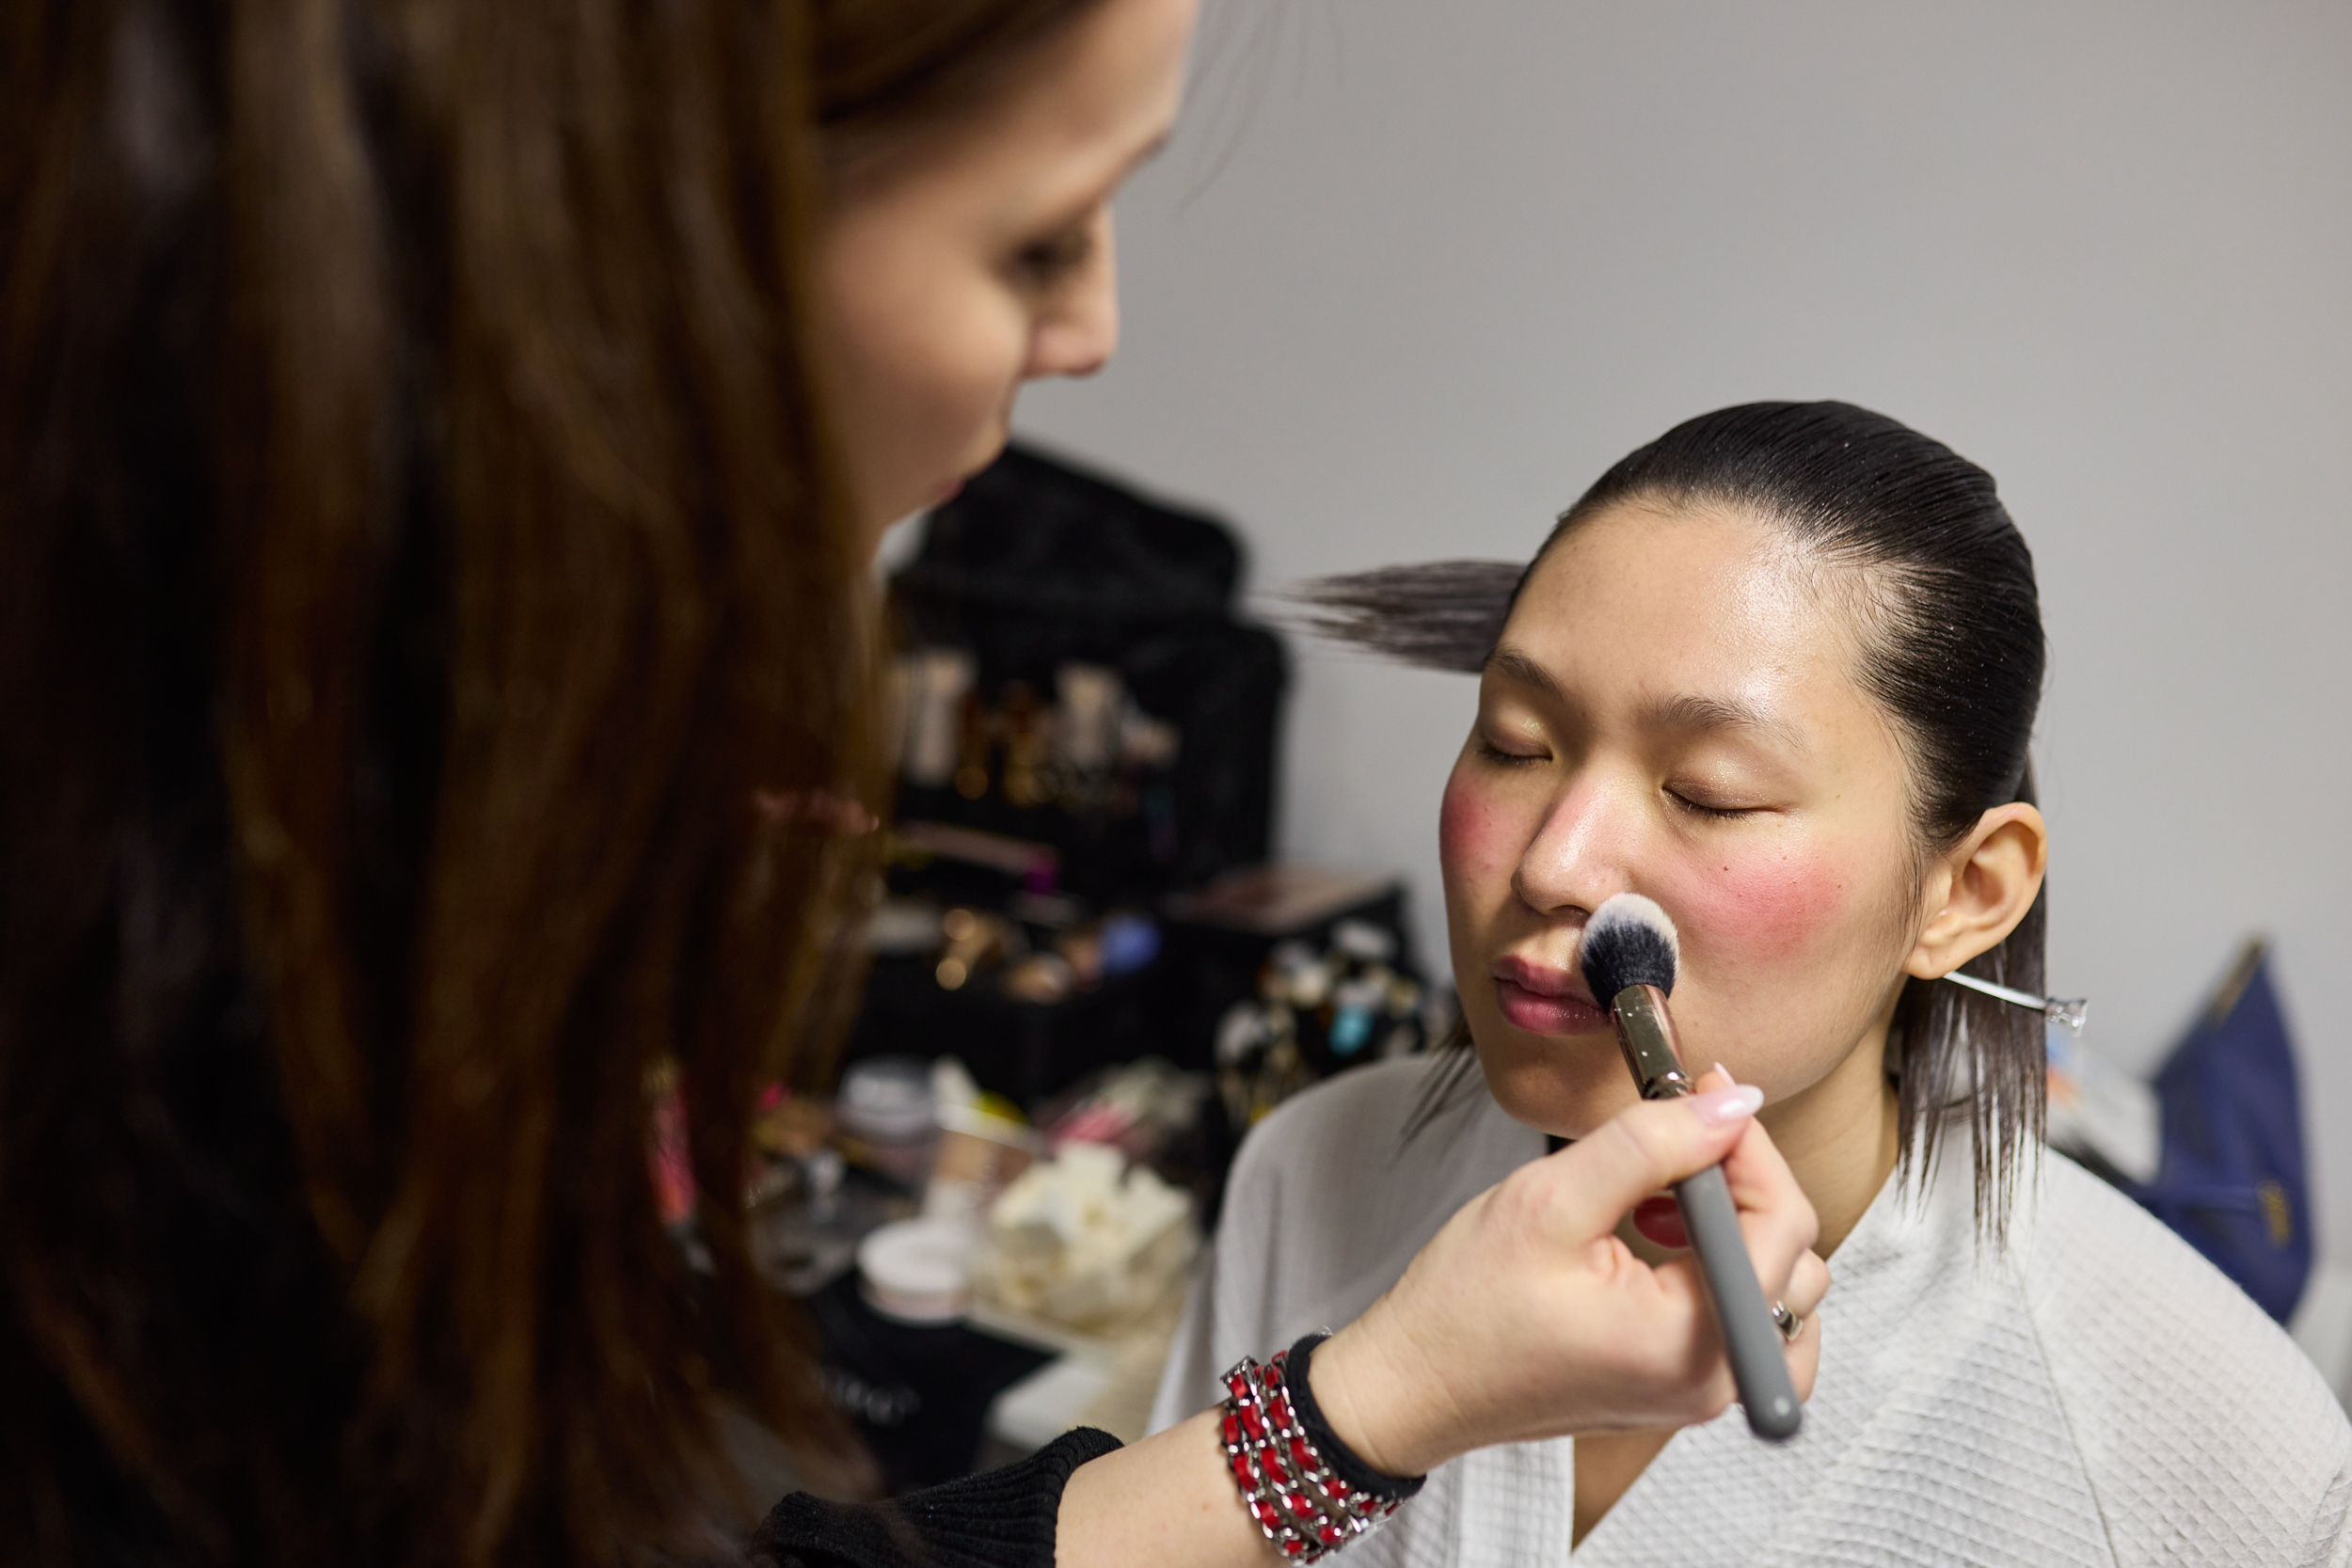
{"x": 1650, "y": 592}
{"x": 1649, "y": 618}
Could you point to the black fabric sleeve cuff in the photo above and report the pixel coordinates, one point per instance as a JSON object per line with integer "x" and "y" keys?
{"x": 1001, "y": 1518}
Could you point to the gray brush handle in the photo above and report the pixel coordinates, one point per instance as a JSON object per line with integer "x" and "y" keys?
{"x": 1751, "y": 1339}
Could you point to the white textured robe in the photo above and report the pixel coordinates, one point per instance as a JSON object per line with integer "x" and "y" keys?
{"x": 2097, "y": 1394}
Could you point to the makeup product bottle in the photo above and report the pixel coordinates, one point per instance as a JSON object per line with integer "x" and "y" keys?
{"x": 937, "y": 680}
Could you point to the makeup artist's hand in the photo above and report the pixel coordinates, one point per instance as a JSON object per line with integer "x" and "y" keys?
{"x": 1526, "y": 1318}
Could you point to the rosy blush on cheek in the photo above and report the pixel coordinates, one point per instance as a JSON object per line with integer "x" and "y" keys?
{"x": 1473, "y": 834}
{"x": 1768, "y": 907}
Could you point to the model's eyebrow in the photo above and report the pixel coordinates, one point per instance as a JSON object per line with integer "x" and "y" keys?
{"x": 1512, "y": 665}
{"x": 1695, "y": 713}
{"x": 1690, "y": 713}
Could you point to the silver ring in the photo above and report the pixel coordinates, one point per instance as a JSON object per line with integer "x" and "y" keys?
{"x": 1789, "y": 1324}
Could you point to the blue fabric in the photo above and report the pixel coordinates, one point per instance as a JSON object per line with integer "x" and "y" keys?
{"x": 2231, "y": 1180}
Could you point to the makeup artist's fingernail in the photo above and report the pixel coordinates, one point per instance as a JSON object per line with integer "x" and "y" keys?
{"x": 1727, "y": 1073}
{"x": 1722, "y": 1107}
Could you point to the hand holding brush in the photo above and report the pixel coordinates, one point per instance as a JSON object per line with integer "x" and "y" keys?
{"x": 1629, "y": 953}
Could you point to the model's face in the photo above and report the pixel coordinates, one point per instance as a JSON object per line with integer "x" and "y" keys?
{"x": 1672, "y": 711}
{"x": 977, "y": 255}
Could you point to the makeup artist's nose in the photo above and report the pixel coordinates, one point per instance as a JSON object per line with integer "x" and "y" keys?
{"x": 1575, "y": 858}
{"x": 1079, "y": 331}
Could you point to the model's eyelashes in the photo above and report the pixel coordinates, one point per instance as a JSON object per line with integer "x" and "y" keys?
{"x": 1503, "y": 757}
{"x": 1688, "y": 799}
{"x": 1709, "y": 811}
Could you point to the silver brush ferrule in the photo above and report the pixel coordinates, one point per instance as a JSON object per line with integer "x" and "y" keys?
{"x": 1645, "y": 1032}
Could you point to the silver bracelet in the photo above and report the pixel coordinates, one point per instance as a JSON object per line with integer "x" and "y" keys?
{"x": 1304, "y": 1511}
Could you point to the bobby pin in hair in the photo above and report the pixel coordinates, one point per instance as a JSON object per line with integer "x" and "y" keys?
{"x": 2068, "y": 1015}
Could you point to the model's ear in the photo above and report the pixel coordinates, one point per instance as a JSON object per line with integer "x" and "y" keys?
{"x": 1978, "y": 892}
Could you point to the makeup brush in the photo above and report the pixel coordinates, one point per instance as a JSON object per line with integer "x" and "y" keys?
{"x": 1628, "y": 954}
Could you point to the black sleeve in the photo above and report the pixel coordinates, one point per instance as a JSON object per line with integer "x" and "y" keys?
{"x": 997, "y": 1519}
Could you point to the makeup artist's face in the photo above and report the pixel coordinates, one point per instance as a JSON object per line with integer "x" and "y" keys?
{"x": 1672, "y": 711}
{"x": 976, "y": 255}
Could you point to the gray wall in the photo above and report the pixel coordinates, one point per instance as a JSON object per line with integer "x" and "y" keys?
{"x": 1417, "y": 270}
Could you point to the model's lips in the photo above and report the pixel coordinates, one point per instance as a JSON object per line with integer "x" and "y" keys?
{"x": 1542, "y": 980}
{"x": 1546, "y": 1001}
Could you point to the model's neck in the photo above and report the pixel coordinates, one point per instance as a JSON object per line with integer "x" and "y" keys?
{"x": 1839, "y": 1138}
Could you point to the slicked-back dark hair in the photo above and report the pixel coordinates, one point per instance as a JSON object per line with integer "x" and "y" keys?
{"x": 1951, "y": 647}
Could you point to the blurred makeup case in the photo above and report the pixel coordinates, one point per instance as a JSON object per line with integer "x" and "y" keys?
{"x": 1086, "y": 727}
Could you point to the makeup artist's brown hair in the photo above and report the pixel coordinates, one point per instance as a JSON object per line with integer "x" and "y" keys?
{"x": 1952, "y": 650}
{"x": 421, "y": 558}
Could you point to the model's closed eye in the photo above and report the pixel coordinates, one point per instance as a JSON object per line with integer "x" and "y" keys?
{"x": 1721, "y": 805}
{"x": 1511, "y": 753}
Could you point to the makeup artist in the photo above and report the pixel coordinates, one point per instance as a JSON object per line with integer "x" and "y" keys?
{"x": 440, "y": 450}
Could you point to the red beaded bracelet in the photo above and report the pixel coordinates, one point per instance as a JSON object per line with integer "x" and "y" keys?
{"x": 1303, "y": 1506}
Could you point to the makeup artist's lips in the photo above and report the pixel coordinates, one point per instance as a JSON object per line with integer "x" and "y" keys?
{"x": 1546, "y": 1001}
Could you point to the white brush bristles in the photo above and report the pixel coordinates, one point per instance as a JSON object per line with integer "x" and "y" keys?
{"x": 1629, "y": 941}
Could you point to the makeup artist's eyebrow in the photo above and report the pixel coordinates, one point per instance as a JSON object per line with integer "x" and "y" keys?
{"x": 1693, "y": 712}
{"x": 1108, "y": 188}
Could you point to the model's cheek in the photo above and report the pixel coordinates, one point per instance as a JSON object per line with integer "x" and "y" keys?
{"x": 1770, "y": 906}
{"x": 1476, "y": 837}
